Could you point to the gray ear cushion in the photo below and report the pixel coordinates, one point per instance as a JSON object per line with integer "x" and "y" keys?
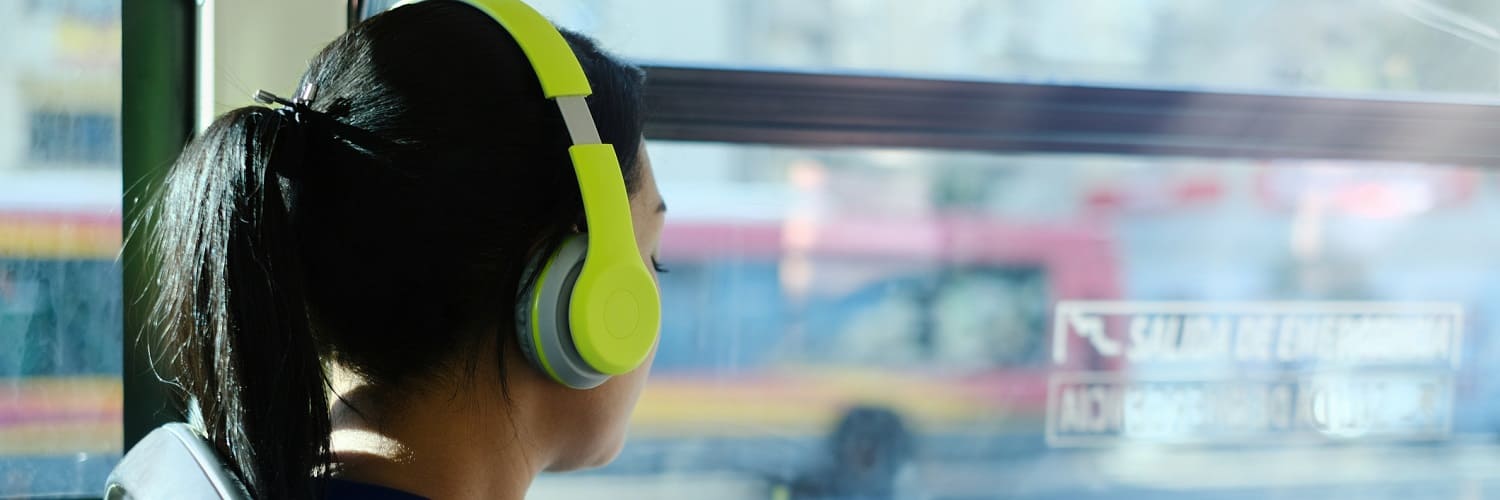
{"x": 523, "y": 309}
{"x": 556, "y": 339}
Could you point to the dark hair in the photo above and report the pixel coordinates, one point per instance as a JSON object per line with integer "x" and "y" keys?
{"x": 390, "y": 241}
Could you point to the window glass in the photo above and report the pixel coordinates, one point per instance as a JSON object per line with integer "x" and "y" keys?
{"x": 60, "y": 296}
{"x": 1395, "y": 46}
{"x": 850, "y": 323}
{"x": 1398, "y": 47}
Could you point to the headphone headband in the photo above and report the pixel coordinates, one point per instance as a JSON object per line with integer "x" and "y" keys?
{"x": 613, "y": 306}
{"x": 556, "y": 66}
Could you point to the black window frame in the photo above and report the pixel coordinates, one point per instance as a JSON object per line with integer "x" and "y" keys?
{"x": 156, "y": 115}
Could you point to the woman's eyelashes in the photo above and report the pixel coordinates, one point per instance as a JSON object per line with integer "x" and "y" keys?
{"x": 657, "y": 265}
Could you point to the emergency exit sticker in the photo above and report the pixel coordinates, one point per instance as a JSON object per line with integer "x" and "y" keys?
{"x": 1251, "y": 372}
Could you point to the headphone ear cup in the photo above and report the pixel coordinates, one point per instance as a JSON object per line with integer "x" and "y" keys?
{"x": 542, "y": 325}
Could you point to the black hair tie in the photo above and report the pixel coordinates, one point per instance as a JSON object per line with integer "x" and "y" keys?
{"x": 296, "y": 121}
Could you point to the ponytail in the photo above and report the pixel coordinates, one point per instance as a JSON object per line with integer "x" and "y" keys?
{"x": 232, "y": 303}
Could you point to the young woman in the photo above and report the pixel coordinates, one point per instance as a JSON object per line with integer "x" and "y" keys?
{"x": 339, "y": 276}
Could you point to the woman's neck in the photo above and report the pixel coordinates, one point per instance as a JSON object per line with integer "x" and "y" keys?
{"x": 441, "y": 443}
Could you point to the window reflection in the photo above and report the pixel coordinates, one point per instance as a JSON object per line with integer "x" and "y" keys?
{"x": 924, "y": 287}
{"x": 60, "y": 289}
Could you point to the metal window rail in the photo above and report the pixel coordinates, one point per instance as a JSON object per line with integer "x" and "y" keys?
{"x": 810, "y": 109}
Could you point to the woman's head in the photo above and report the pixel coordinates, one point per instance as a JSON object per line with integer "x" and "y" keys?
{"x": 390, "y": 244}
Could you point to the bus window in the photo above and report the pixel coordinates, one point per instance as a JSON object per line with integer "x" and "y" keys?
{"x": 60, "y": 231}
{"x": 922, "y": 293}
{"x": 1049, "y": 319}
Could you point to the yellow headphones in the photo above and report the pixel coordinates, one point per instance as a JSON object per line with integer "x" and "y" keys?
{"x": 594, "y": 310}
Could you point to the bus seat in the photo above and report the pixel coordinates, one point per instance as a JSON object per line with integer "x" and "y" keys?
{"x": 173, "y": 462}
